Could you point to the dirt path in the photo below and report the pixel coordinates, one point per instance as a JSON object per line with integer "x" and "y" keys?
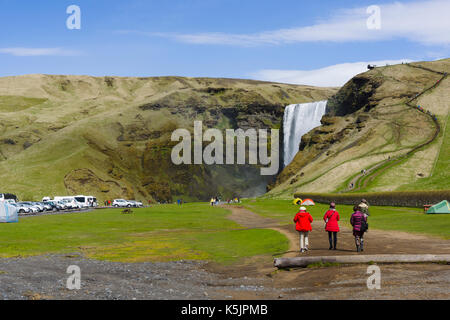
{"x": 376, "y": 241}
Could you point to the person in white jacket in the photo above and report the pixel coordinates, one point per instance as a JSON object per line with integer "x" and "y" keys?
{"x": 364, "y": 207}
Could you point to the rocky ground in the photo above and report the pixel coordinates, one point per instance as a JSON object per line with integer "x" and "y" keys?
{"x": 45, "y": 277}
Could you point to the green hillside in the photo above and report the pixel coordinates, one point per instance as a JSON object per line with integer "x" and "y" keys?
{"x": 373, "y": 124}
{"x": 110, "y": 136}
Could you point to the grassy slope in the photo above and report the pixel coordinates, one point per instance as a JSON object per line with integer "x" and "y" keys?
{"x": 383, "y": 218}
{"x": 391, "y": 130}
{"x": 408, "y": 174}
{"x": 440, "y": 178}
{"x": 162, "y": 233}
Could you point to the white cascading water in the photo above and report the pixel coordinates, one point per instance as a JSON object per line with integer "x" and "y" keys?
{"x": 298, "y": 120}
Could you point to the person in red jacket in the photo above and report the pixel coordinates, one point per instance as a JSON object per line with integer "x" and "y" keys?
{"x": 331, "y": 219}
{"x": 303, "y": 221}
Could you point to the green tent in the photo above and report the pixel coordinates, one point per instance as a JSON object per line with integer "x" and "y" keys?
{"x": 441, "y": 207}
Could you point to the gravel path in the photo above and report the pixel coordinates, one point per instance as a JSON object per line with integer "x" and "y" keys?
{"x": 45, "y": 277}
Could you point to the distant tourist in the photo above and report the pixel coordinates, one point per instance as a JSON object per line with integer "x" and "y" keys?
{"x": 331, "y": 219}
{"x": 303, "y": 221}
{"x": 212, "y": 201}
{"x": 364, "y": 207}
{"x": 359, "y": 222}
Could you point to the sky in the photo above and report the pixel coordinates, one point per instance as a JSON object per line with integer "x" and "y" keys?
{"x": 322, "y": 43}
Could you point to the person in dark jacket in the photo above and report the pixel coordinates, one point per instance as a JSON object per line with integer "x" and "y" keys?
{"x": 356, "y": 221}
{"x": 331, "y": 219}
{"x": 303, "y": 221}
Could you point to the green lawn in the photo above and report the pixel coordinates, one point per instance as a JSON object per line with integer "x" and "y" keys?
{"x": 161, "y": 233}
{"x": 384, "y": 218}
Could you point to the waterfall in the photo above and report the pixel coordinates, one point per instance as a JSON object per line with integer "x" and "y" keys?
{"x": 298, "y": 120}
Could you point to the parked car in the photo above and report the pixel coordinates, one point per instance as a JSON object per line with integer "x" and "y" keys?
{"x": 122, "y": 203}
{"x": 33, "y": 209}
{"x": 68, "y": 204}
{"x": 136, "y": 204}
{"x": 21, "y": 208}
{"x": 34, "y": 205}
{"x": 40, "y": 206}
{"x": 61, "y": 204}
{"x": 56, "y": 205}
{"x": 47, "y": 206}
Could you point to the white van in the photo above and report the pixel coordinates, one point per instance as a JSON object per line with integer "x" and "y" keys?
{"x": 92, "y": 201}
{"x": 86, "y": 201}
{"x": 70, "y": 201}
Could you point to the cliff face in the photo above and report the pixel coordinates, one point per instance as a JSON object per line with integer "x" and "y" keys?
{"x": 357, "y": 94}
{"x": 367, "y": 122}
{"x": 111, "y": 137}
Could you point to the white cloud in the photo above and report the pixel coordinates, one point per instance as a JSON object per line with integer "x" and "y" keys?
{"x": 425, "y": 22}
{"x": 33, "y": 52}
{"x": 331, "y": 76}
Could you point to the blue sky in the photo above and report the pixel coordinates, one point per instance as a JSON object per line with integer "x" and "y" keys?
{"x": 309, "y": 42}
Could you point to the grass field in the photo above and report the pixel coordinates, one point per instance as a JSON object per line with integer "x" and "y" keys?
{"x": 383, "y": 218}
{"x": 160, "y": 233}
{"x": 195, "y": 231}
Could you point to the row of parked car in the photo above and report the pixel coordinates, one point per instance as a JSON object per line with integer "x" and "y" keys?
{"x": 56, "y": 204}
{"x": 66, "y": 203}
{"x": 28, "y": 207}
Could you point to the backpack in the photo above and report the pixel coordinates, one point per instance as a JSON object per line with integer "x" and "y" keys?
{"x": 364, "y": 226}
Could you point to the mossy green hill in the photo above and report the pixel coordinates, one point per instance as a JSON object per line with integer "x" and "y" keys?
{"x": 110, "y": 136}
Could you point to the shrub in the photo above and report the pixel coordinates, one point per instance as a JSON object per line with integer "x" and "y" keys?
{"x": 389, "y": 198}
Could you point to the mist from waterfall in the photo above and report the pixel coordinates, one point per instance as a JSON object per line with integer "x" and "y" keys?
{"x": 298, "y": 120}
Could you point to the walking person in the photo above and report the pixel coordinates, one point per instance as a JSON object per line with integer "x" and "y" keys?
{"x": 303, "y": 221}
{"x": 359, "y": 222}
{"x": 364, "y": 207}
{"x": 331, "y": 219}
